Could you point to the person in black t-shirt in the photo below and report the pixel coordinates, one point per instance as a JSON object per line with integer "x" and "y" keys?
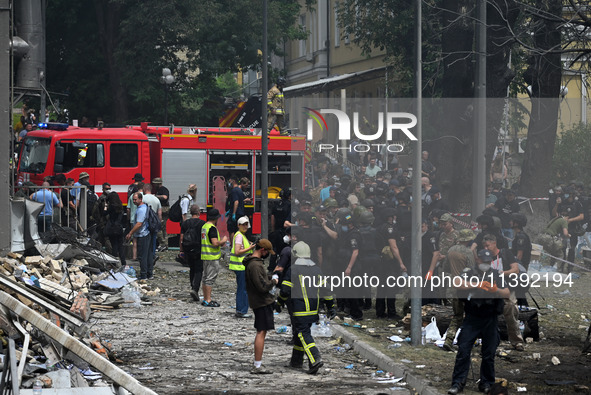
{"x": 521, "y": 248}
{"x": 576, "y": 216}
{"x": 506, "y": 206}
{"x": 236, "y": 206}
{"x": 193, "y": 257}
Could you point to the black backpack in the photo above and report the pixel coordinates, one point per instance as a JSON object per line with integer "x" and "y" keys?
{"x": 91, "y": 201}
{"x": 154, "y": 224}
{"x": 192, "y": 237}
{"x": 175, "y": 214}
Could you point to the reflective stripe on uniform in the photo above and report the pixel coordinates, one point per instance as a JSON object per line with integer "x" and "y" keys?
{"x": 304, "y": 313}
{"x": 208, "y": 251}
{"x": 235, "y": 260}
{"x": 307, "y": 348}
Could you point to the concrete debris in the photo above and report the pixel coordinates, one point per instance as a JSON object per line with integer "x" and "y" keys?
{"x": 55, "y": 293}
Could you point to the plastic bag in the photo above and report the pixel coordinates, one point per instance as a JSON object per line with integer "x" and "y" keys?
{"x": 322, "y": 330}
{"x": 131, "y": 296}
{"x": 432, "y": 332}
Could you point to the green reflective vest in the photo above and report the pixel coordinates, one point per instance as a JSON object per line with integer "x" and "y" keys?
{"x": 235, "y": 260}
{"x": 208, "y": 251}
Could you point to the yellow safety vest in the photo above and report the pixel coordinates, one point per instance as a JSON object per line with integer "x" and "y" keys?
{"x": 235, "y": 260}
{"x": 208, "y": 251}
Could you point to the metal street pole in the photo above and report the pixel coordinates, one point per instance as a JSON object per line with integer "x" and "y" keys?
{"x": 5, "y": 103}
{"x": 264, "y": 136}
{"x": 165, "y": 103}
{"x": 479, "y": 169}
{"x": 416, "y": 319}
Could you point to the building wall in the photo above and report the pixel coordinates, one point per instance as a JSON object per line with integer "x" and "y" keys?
{"x": 326, "y": 52}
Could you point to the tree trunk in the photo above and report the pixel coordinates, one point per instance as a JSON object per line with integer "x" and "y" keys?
{"x": 108, "y": 15}
{"x": 453, "y": 156}
{"x": 501, "y": 15}
{"x": 544, "y": 75}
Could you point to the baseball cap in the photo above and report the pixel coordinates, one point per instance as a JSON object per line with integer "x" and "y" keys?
{"x": 157, "y": 180}
{"x": 243, "y": 220}
{"x": 445, "y": 217}
{"x": 83, "y": 175}
{"x": 214, "y": 213}
{"x": 266, "y": 244}
{"x": 301, "y": 250}
{"x": 395, "y": 182}
{"x": 138, "y": 177}
{"x": 434, "y": 190}
{"x": 485, "y": 255}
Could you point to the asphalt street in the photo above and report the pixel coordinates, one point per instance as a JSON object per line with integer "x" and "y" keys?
{"x": 177, "y": 346}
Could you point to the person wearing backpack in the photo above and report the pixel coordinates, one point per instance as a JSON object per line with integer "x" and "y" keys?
{"x": 210, "y": 255}
{"x": 187, "y": 201}
{"x": 190, "y": 247}
{"x": 152, "y": 201}
{"x": 141, "y": 233}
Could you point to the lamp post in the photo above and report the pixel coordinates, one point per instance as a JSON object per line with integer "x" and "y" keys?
{"x": 166, "y": 79}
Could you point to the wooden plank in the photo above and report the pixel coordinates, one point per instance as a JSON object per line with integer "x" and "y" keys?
{"x": 75, "y": 320}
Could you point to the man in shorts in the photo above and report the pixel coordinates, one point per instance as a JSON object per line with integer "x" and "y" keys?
{"x": 258, "y": 285}
{"x": 210, "y": 255}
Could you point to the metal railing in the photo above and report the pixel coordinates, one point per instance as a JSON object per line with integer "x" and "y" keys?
{"x": 78, "y": 218}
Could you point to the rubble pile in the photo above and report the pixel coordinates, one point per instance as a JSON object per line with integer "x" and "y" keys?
{"x": 46, "y": 302}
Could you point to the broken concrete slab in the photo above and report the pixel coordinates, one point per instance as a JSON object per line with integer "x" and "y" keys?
{"x": 69, "y": 342}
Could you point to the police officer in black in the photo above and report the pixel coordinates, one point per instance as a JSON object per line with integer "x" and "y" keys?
{"x": 391, "y": 264}
{"x": 429, "y": 246}
{"x": 571, "y": 204}
{"x": 404, "y": 223}
{"x": 281, "y": 211}
{"x": 521, "y": 249}
{"x": 348, "y": 255}
{"x": 483, "y": 302}
{"x": 369, "y": 253}
{"x": 486, "y": 224}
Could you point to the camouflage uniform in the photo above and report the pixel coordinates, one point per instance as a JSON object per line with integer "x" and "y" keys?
{"x": 446, "y": 241}
{"x": 459, "y": 257}
{"x": 553, "y": 245}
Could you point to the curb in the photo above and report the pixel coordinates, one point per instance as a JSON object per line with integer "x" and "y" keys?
{"x": 384, "y": 362}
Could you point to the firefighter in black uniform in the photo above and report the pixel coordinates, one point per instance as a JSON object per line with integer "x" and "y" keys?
{"x": 302, "y": 294}
{"x": 391, "y": 264}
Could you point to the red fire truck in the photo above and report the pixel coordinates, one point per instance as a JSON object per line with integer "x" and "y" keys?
{"x": 181, "y": 156}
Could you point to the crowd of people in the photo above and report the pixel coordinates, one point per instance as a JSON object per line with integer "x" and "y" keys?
{"x": 349, "y": 225}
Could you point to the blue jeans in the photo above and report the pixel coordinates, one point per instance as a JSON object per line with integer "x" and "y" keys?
{"x": 154, "y": 237}
{"x": 44, "y": 223}
{"x": 241, "y": 295}
{"x": 145, "y": 256}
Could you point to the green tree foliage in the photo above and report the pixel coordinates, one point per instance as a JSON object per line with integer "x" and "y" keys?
{"x": 108, "y": 54}
{"x": 572, "y": 155}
